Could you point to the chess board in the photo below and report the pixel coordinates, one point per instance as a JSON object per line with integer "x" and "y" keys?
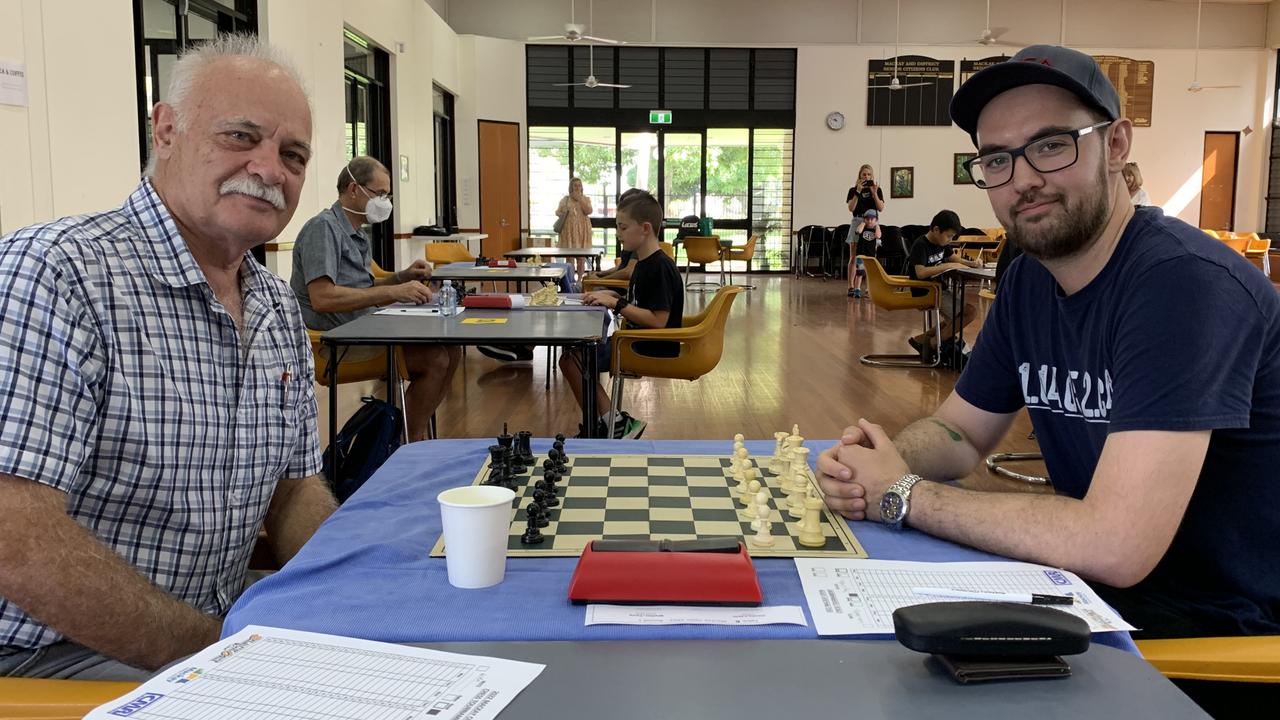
{"x": 654, "y": 497}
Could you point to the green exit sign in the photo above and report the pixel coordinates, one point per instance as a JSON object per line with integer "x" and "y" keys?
{"x": 659, "y": 117}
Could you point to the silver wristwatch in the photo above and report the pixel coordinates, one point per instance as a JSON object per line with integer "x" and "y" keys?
{"x": 896, "y": 501}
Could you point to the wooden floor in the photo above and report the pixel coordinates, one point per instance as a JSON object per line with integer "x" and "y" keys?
{"x": 791, "y": 357}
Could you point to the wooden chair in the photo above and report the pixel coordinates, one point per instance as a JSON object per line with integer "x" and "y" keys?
{"x": 702, "y": 250}
{"x": 1223, "y": 659}
{"x": 741, "y": 253}
{"x": 1258, "y": 251}
{"x": 883, "y": 289}
{"x": 701, "y": 338}
{"x": 1238, "y": 244}
{"x": 1211, "y": 233}
{"x": 56, "y": 699}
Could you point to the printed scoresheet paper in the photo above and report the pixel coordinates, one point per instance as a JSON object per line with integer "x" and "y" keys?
{"x": 858, "y": 597}
{"x": 262, "y": 673}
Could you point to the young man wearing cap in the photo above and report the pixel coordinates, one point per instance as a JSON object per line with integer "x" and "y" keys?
{"x": 1158, "y": 412}
{"x": 864, "y": 239}
{"x": 930, "y": 257}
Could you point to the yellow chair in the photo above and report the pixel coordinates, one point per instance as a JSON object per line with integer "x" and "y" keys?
{"x": 591, "y": 284}
{"x": 702, "y": 250}
{"x": 374, "y": 368}
{"x": 990, "y": 255}
{"x": 1258, "y": 251}
{"x": 443, "y": 253}
{"x": 1224, "y": 659}
{"x": 701, "y": 338}
{"x": 1211, "y": 233}
{"x": 741, "y": 253}
{"x": 883, "y": 287}
{"x": 56, "y": 699}
{"x": 668, "y": 248}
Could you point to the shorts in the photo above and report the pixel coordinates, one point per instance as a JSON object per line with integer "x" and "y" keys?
{"x": 946, "y": 300}
{"x": 604, "y": 355}
{"x": 857, "y": 263}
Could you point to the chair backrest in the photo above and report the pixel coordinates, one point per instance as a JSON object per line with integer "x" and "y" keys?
{"x": 748, "y": 251}
{"x": 378, "y": 272}
{"x": 1257, "y": 245}
{"x": 702, "y": 249}
{"x": 56, "y": 699}
{"x": 1253, "y": 659}
{"x": 1240, "y": 245}
{"x": 1211, "y": 233}
{"x": 911, "y": 233}
{"x": 699, "y": 354}
{"x": 994, "y": 233}
{"x": 882, "y": 289}
{"x": 668, "y": 248}
{"x": 841, "y": 234}
{"x": 974, "y": 231}
{"x": 439, "y": 253}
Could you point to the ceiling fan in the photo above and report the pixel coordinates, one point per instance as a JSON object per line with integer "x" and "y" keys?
{"x": 591, "y": 81}
{"x": 991, "y": 36}
{"x": 1195, "y": 85}
{"x": 894, "y": 83}
{"x": 573, "y": 32}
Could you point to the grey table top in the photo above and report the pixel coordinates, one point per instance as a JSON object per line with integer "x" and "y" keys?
{"x": 813, "y": 680}
{"x": 521, "y": 272}
{"x": 552, "y": 252}
{"x": 546, "y": 326}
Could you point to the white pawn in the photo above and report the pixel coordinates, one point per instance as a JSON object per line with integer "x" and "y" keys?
{"x": 762, "y": 538}
{"x": 762, "y": 498}
{"x": 748, "y": 499}
{"x": 775, "y": 462}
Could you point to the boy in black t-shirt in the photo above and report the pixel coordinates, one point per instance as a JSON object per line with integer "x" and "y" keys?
{"x": 655, "y": 299}
{"x": 930, "y": 257}
{"x": 864, "y": 239}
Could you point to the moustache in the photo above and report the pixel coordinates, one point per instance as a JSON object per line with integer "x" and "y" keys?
{"x": 246, "y": 185}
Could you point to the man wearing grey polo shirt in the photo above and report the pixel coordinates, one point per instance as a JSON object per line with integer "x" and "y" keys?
{"x": 334, "y": 283}
{"x": 156, "y": 403}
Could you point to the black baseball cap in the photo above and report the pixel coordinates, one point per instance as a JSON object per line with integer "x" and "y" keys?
{"x": 1035, "y": 65}
{"x": 947, "y": 220}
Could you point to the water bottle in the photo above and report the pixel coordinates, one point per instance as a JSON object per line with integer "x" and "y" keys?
{"x": 448, "y": 299}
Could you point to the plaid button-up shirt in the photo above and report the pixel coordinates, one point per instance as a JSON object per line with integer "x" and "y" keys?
{"x": 125, "y": 384}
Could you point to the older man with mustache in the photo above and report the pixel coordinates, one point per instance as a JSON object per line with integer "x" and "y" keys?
{"x": 156, "y": 387}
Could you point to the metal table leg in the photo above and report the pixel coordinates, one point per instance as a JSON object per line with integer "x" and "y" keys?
{"x": 332, "y": 372}
{"x": 590, "y": 372}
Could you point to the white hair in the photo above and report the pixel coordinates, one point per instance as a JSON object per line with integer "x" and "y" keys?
{"x": 186, "y": 72}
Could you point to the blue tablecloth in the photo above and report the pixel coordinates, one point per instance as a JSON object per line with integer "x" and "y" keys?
{"x": 368, "y": 572}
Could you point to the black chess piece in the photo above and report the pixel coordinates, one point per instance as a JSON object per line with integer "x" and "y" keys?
{"x": 548, "y": 464}
{"x": 560, "y": 466}
{"x": 532, "y": 535}
{"x": 505, "y": 439}
{"x": 497, "y": 469}
{"x": 548, "y": 488}
{"x": 560, "y": 439}
{"x": 524, "y": 449}
{"x": 558, "y": 445}
{"x": 539, "y": 512}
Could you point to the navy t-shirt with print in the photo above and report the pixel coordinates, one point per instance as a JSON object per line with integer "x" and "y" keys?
{"x": 927, "y": 254}
{"x": 1177, "y": 333}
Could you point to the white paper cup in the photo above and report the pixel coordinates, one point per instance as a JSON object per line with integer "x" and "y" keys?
{"x": 476, "y": 519}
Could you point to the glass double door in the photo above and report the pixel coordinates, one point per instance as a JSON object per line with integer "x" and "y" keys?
{"x": 702, "y": 173}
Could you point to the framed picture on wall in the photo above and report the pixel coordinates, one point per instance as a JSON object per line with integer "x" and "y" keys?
{"x": 959, "y": 169}
{"x": 902, "y": 182}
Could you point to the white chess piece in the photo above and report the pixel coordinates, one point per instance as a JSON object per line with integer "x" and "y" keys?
{"x": 799, "y": 482}
{"x": 748, "y": 493}
{"x": 811, "y": 526}
{"x": 762, "y": 498}
{"x": 775, "y": 462}
{"x": 762, "y": 538}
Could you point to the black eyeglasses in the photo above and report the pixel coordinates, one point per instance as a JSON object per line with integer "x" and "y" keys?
{"x": 386, "y": 195}
{"x": 1050, "y": 153}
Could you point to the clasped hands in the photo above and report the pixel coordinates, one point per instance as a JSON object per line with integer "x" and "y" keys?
{"x": 855, "y": 472}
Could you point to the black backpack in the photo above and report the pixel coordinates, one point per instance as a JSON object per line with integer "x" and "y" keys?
{"x": 363, "y": 444}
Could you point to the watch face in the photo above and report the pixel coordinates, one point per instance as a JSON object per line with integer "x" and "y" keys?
{"x": 890, "y": 507}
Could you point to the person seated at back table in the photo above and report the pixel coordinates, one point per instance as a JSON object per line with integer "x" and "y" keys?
{"x": 157, "y": 407}
{"x": 654, "y": 299}
{"x": 930, "y": 257}
{"x": 1157, "y": 410}
{"x": 334, "y": 284}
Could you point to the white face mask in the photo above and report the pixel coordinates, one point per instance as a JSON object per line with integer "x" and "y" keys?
{"x": 377, "y": 209}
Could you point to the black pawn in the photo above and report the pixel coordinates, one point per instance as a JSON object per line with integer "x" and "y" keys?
{"x": 531, "y": 536}
{"x": 548, "y": 488}
{"x": 560, "y": 467}
{"x": 548, "y": 465}
{"x": 539, "y": 513}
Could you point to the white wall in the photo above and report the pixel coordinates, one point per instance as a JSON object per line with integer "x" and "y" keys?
{"x": 1169, "y": 153}
{"x": 492, "y": 71}
{"x": 74, "y": 148}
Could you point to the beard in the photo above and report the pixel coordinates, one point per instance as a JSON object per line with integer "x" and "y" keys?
{"x": 1068, "y": 230}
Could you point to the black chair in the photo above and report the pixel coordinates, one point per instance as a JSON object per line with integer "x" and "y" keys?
{"x": 812, "y": 238}
{"x": 840, "y": 248}
{"x": 893, "y": 250}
